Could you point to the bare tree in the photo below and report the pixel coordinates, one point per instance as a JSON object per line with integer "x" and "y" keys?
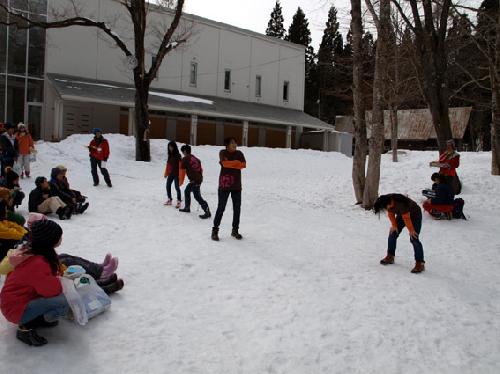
{"x": 138, "y": 12}
{"x": 383, "y": 24}
{"x": 359, "y": 158}
{"x": 430, "y": 24}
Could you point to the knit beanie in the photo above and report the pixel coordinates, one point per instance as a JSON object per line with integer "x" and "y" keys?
{"x": 45, "y": 234}
{"x": 34, "y": 217}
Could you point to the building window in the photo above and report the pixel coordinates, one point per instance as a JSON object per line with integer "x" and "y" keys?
{"x": 227, "y": 80}
{"x": 286, "y": 87}
{"x": 258, "y": 86}
{"x": 193, "y": 74}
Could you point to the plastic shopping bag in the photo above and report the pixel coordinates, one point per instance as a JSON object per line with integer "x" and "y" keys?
{"x": 74, "y": 300}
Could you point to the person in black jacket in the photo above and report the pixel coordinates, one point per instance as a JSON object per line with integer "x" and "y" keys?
{"x": 41, "y": 200}
{"x": 9, "y": 146}
{"x": 440, "y": 194}
{"x": 59, "y": 186}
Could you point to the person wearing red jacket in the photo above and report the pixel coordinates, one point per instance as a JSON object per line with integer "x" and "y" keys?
{"x": 32, "y": 294}
{"x": 232, "y": 162}
{"x": 99, "y": 153}
{"x": 448, "y": 163}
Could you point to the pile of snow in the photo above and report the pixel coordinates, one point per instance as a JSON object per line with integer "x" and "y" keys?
{"x": 302, "y": 293}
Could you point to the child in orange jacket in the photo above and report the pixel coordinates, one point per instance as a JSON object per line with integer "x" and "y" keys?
{"x": 26, "y": 147}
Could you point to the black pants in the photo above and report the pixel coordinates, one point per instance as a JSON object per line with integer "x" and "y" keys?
{"x": 221, "y": 206}
{"x": 94, "y": 163}
{"x": 195, "y": 188}
{"x": 93, "y": 269}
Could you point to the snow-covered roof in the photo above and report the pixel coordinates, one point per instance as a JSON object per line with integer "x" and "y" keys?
{"x": 113, "y": 93}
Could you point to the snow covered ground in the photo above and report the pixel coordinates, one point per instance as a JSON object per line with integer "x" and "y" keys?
{"x": 302, "y": 293}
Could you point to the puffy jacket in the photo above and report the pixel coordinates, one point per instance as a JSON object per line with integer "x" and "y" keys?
{"x": 25, "y": 143}
{"x": 99, "y": 149}
{"x": 11, "y": 231}
{"x": 31, "y": 279}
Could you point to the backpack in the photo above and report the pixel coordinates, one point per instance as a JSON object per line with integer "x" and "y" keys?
{"x": 458, "y": 208}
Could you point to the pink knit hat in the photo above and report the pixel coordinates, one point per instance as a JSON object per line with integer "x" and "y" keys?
{"x": 33, "y": 217}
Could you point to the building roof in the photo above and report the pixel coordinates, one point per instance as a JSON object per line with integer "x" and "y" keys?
{"x": 88, "y": 90}
{"x": 413, "y": 124}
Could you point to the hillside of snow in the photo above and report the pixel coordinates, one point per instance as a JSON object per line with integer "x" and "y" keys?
{"x": 302, "y": 293}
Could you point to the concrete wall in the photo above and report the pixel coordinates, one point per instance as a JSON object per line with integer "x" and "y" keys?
{"x": 215, "y": 47}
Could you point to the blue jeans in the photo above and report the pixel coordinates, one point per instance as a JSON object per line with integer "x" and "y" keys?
{"x": 197, "y": 195}
{"x": 171, "y": 178}
{"x": 51, "y": 308}
{"x": 417, "y": 245}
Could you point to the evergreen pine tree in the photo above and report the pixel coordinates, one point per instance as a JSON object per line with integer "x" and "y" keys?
{"x": 275, "y": 26}
{"x": 299, "y": 33}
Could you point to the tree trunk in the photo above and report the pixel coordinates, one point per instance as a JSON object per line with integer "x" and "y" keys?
{"x": 377, "y": 134}
{"x": 359, "y": 158}
{"x": 394, "y": 133}
{"x": 142, "y": 149}
{"x": 495, "y": 98}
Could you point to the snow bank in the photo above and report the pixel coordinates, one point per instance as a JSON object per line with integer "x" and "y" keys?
{"x": 302, "y": 293}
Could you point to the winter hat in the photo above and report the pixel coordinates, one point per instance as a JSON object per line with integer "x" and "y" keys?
{"x": 55, "y": 172}
{"x": 39, "y": 181}
{"x": 34, "y": 217}
{"x": 96, "y": 130}
{"x": 62, "y": 167}
{"x": 21, "y": 125}
{"x": 45, "y": 234}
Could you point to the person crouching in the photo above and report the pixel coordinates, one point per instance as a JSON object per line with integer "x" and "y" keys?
{"x": 32, "y": 294}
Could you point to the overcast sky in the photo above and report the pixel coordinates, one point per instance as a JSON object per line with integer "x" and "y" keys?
{"x": 255, "y": 14}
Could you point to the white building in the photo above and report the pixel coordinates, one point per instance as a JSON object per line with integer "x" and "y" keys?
{"x": 225, "y": 81}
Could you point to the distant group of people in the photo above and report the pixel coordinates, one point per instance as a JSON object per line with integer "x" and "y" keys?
{"x": 404, "y": 212}
{"x": 32, "y": 295}
{"x": 231, "y": 160}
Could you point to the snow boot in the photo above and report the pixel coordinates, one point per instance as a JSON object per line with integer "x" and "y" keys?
{"x": 168, "y": 202}
{"x": 387, "y": 260}
{"x": 68, "y": 211}
{"x": 61, "y": 212}
{"x": 215, "y": 234}
{"x": 178, "y": 205}
{"x": 109, "y": 184}
{"x": 419, "y": 267}
{"x": 206, "y": 215}
{"x": 82, "y": 208}
{"x": 107, "y": 281}
{"x": 30, "y": 337}
{"x": 235, "y": 234}
{"x": 113, "y": 287}
{"x": 185, "y": 210}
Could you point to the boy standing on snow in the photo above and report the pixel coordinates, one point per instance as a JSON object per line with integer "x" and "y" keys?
{"x": 99, "y": 153}
{"x": 231, "y": 162}
{"x": 191, "y": 166}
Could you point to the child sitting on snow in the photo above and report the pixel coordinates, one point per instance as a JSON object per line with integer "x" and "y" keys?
{"x": 440, "y": 195}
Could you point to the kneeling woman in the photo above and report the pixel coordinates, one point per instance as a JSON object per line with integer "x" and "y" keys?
{"x": 32, "y": 294}
{"x": 402, "y": 212}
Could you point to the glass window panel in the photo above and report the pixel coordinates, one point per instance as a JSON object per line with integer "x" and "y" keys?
{"x": 2, "y": 98}
{"x": 36, "y": 52}
{"x": 258, "y": 85}
{"x": 15, "y": 99}
{"x": 17, "y": 50}
{"x": 286, "y": 85}
{"x": 3, "y": 48}
{"x": 193, "y": 75}
{"x": 20, "y": 4}
{"x": 35, "y": 90}
{"x": 227, "y": 80}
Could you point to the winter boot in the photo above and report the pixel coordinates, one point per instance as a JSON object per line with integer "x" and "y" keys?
{"x": 22, "y": 175}
{"x": 107, "y": 281}
{"x": 109, "y": 184}
{"x": 215, "y": 234}
{"x": 27, "y": 174}
{"x": 185, "y": 210}
{"x": 113, "y": 287}
{"x": 96, "y": 184}
{"x": 83, "y": 208}
{"x": 235, "y": 234}
{"x": 206, "y": 214}
{"x": 387, "y": 260}
{"x": 178, "y": 205}
{"x": 168, "y": 202}
{"x": 419, "y": 267}
{"x": 61, "y": 212}
{"x": 30, "y": 337}
{"x": 68, "y": 211}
